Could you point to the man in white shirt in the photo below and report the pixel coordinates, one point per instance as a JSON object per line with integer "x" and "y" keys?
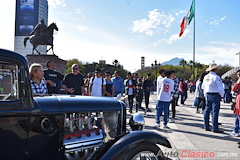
{"x": 97, "y": 85}
{"x": 165, "y": 88}
{"x": 162, "y": 75}
{"x": 213, "y": 92}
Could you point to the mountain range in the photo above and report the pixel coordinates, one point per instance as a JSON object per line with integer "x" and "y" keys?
{"x": 174, "y": 62}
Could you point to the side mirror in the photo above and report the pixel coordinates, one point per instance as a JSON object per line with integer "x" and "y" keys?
{"x": 137, "y": 122}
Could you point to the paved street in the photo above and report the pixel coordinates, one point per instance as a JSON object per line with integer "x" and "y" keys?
{"x": 189, "y": 139}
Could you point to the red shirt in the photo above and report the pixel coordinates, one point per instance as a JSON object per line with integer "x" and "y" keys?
{"x": 236, "y": 88}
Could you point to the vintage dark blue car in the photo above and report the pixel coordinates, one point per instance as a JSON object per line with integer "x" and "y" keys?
{"x": 65, "y": 126}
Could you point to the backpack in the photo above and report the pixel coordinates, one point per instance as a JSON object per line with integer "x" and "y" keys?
{"x": 94, "y": 78}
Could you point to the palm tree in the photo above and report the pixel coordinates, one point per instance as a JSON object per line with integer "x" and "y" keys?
{"x": 116, "y": 63}
{"x": 192, "y": 65}
{"x": 198, "y": 66}
{"x": 183, "y": 63}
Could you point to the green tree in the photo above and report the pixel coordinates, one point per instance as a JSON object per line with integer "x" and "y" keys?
{"x": 116, "y": 63}
{"x": 191, "y": 63}
{"x": 74, "y": 61}
{"x": 107, "y": 67}
{"x": 224, "y": 68}
{"x": 183, "y": 63}
{"x": 199, "y": 68}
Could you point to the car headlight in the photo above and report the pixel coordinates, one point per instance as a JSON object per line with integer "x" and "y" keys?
{"x": 137, "y": 122}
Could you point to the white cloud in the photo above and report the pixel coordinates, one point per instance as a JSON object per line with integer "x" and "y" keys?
{"x": 155, "y": 44}
{"x": 221, "y": 52}
{"x": 171, "y": 39}
{"x": 143, "y": 25}
{"x": 208, "y": 32}
{"x": 155, "y": 21}
{"x": 81, "y": 28}
{"x": 217, "y": 20}
{"x": 225, "y": 44}
{"x": 56, "y": 3}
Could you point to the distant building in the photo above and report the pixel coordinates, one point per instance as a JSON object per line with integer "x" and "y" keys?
{"x": 142, "y": 62}
{"x": 28, "y": 15}
{"x": 102, "y": 62}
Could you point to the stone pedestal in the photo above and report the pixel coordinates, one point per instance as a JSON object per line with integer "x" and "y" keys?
{"x": 43, "y": 58}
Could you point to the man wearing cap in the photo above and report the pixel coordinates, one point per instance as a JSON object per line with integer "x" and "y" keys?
{"x": 213, "y": 92}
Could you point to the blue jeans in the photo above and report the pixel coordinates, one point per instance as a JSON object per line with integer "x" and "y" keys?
{"x": 162, "y": 107}
{"x": 212, "y": 106}
{"x": 236, "y": 124}
{"x": 183, "y": 97}
{"x": 138, "y": 105}
{"x": 226, "y": 96}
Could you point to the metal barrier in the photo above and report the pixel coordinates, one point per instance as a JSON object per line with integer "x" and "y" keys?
{"x": 230, "y": 72}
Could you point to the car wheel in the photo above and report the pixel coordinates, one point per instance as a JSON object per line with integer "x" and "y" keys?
{"x": 144, "y": 152}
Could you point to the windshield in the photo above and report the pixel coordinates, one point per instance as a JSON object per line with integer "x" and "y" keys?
{"x": 8, "y": 81}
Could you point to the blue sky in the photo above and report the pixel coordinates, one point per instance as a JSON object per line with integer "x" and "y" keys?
{"x": 90, "y": 30}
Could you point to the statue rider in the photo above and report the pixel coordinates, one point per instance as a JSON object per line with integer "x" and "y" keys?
{"x": 39, "y": 29}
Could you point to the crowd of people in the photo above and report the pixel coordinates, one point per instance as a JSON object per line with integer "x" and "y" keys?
{"x": 133, "y": 88}
{"x": 209, "y": 90}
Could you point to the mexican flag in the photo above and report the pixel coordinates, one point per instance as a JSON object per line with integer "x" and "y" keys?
{"x": 187, "y": 19}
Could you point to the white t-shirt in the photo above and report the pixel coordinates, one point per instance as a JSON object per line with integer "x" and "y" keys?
{"x": 130, "y": 90}
{"x": 97, "y": 86}
{"x": 158, "y": 83}
{"x": 166, "y": 86}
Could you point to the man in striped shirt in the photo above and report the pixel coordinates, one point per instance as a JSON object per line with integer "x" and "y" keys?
{"x": 175, "y": 94}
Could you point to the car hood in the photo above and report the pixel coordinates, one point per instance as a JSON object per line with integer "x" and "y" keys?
{"x": 72, "y": 103}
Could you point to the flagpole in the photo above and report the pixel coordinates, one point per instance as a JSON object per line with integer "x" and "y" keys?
{"x": 194, "y": 43}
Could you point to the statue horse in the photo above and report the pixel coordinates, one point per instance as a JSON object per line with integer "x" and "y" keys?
{"x": 45, "y": 39}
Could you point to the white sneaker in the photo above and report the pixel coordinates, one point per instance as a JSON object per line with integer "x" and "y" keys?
{"x": 234, "y": 134}
{"x": 156, "y": 125}
{"x": 165, "y": 126}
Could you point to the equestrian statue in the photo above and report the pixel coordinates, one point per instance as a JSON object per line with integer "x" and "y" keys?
{"x": 41, "y": 35}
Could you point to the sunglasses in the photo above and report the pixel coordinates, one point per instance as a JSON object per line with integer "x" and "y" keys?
{"x": 75, "y": 68}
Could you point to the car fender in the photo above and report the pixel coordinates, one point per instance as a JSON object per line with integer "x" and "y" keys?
{"x": 132, "y": 139}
